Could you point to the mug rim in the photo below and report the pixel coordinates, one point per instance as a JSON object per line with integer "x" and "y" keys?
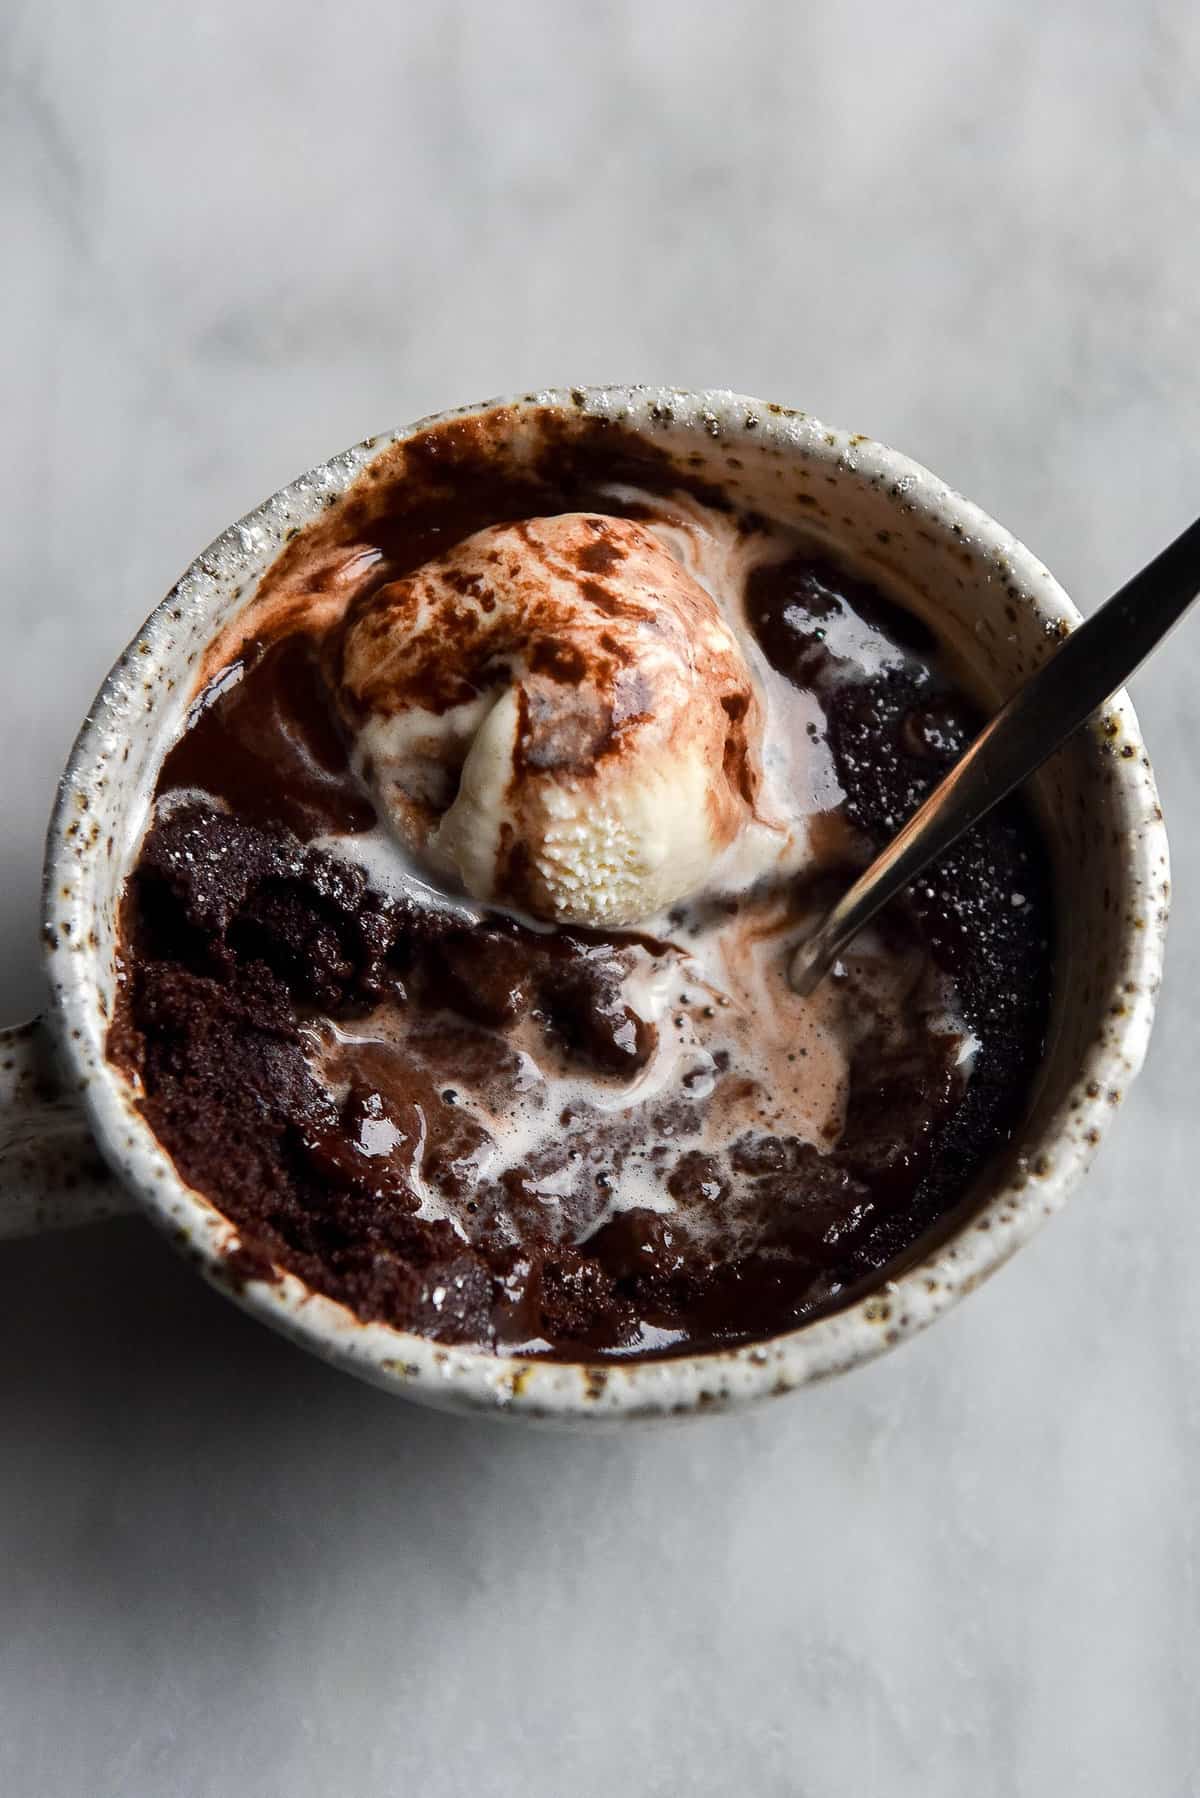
{"x": 473, "y": 1379}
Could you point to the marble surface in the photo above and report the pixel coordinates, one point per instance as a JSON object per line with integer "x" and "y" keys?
{"x": 239, "y": 237}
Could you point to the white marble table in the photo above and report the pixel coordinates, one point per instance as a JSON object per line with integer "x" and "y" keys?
{"x": 238, "y": 237}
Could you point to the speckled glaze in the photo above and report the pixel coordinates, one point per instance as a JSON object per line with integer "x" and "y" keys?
{"x": 1000, "y": 612}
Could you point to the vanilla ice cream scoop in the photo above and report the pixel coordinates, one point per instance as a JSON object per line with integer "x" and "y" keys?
{"x": 555, "y": 715}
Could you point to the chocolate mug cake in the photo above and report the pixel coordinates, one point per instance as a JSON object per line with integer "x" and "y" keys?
{"x": 454, "y": 957}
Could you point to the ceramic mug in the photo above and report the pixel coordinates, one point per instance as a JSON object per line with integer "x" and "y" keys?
{"x": 74, "y": 1146}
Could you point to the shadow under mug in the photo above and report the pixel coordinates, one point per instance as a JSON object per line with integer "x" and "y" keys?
{"x": 74, "y": 1146}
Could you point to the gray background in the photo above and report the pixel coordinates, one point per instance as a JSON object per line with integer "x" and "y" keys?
{"x": 237, "y": 237}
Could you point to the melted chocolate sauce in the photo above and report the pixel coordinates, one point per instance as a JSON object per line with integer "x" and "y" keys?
{"x": 264, "y": 739}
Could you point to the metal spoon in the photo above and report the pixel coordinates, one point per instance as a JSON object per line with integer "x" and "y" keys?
{"x": 1093, "y": 662}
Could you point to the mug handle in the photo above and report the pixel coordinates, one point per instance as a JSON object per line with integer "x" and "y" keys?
{"x": 51, "y": 1173}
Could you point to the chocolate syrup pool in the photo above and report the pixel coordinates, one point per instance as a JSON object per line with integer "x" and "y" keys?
{"x": 550, "y": 1140}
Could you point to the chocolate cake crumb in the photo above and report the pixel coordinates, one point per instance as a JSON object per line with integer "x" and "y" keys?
{"x": 332, "y": 1065}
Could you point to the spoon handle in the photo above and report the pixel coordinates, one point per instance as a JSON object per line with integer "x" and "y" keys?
{"x": 1092, "y": 663}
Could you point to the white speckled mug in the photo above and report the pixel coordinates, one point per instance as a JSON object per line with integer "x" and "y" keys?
{"x": 74, "y": 1146}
